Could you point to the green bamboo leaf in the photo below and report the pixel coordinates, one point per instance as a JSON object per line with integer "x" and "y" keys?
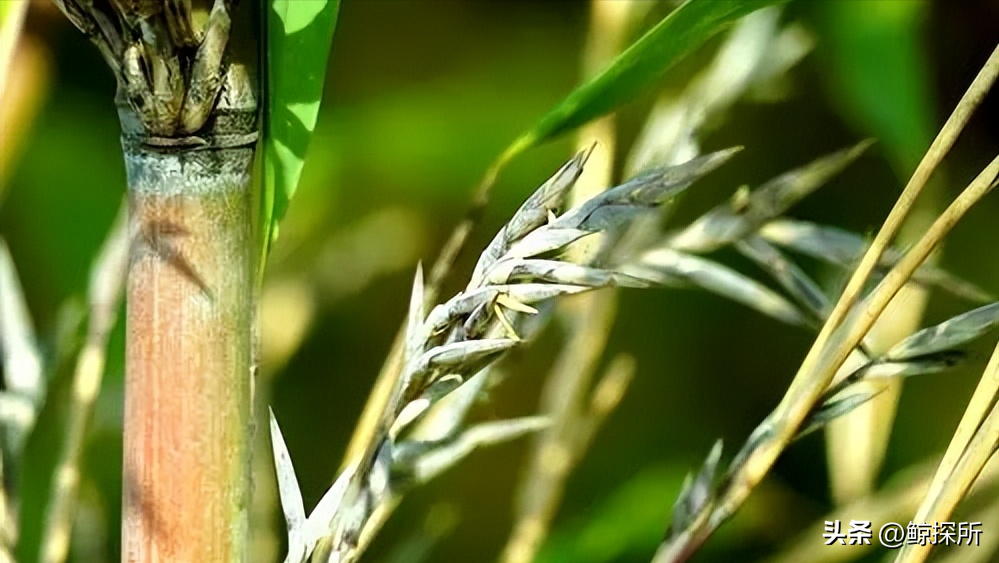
{"x": 947, "y": 335}
{"x": 880, "y": 72}
{"x": 639, "y": 67}
{"x": 299, "y": 34}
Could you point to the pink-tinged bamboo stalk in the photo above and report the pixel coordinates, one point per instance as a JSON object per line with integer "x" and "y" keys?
{"x": 188, "y": 115}
{"x": 188, "y": 385}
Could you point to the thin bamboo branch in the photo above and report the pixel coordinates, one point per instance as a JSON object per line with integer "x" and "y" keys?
{"x": 826, "y": 355}
{"x": 107, "y": 282}
{"x": 895, "y": 502}
{"x": 809, "y": 383}
{"x": 768, "y": 440}
{"x": 559, "y": 447}
{"x": 556, "y": 454}
{"x": 9, "y": 34}
{"x": 24, "y": 379}
{"x": 8, "y": 523}
{"x": 976, "y": 411}
{"x": 974, "y": 442}
{"x": 856, "y": 442}
{"x": 988, "y": 547}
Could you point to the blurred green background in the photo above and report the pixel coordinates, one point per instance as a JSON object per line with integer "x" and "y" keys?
{"x": 420, "y": 97}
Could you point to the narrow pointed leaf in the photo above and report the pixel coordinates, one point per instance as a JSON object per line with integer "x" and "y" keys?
{"x": 882, "y": 368}
{"x": 929, "y": 363}
{"x": 545, "y": 240}
{"x": 298, "y": 38}
{"x": 454, "y": 356}
{"x": 793, "y": 279}
{"x": 832, "y": 409}
{"x": 443, "y": 456}
{"x": 532, "y": 214}
{"x": 450, "y": 411}
{"x": 618, "y": 205}
{"x": 639, "y": 67}
{"x": 442, "y": 315}
{"x": 289, "y": 494}
{"x": 615, "y": 206}
{"x": 317, "y": 525}
{"x": 414, "y": 320}
{"x": 667, "y": 266}
{"x": 697, "y": 491}
{"x": 288, "y": 491}
{"x": 740, "y": 216}
{"x": 555, "y": 271}
{"x": 843, "y": 248}
{"x": 947, "y": 335}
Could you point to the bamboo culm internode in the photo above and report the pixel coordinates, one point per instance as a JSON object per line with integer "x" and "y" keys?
{"x": 187, "y": 102}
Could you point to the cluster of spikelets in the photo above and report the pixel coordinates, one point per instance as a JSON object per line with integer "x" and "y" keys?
{"x": 445, "y": 349}
{"x": 422, "y": 431}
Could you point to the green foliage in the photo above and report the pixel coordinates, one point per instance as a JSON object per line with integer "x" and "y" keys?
{"x": 299, "y": 33}
{"x": 639, "y": 67}
{"x": 878, "y": 70}
{"x": 622, "y": 525}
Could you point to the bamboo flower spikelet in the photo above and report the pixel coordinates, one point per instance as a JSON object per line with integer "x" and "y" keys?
{"x": 446, "y": 348}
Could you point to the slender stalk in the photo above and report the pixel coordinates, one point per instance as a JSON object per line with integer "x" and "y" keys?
{"x": 895, "y": 502}
{"x": 988, "y": 547}
{"x": 8, "y": 533}
{"x": 558, "y": 448}
{"x": 9, "y": 33}
{"x": 856, "y": 442}
{"x": 826, "y": 354}
{"x": 758, "y": 455}
{"x": 21, "y": 101}
{"x": 391, "y": 371}
{"x": 974, "y": 442}
{"x": 187, "y": 387}
{"x": 981, "y": 449}
{"x": 107, "y": 282}
{"x": 806, "y": 386}
{"x": 976, "y": 411}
